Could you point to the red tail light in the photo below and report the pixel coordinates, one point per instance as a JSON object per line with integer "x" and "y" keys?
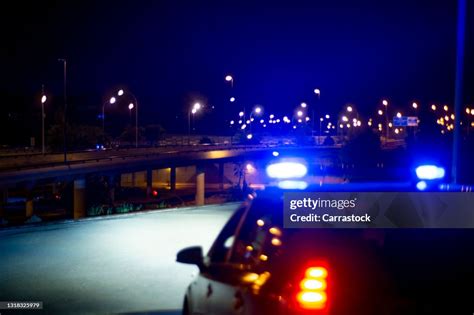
{"x": 312, "y": 294}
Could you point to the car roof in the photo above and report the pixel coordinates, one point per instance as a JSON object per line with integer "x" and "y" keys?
{"x": 272, "y": 191}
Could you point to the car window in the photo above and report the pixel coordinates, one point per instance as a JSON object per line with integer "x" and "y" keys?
{"x": 224, "y": 242}
{"x": 260, "y": 236}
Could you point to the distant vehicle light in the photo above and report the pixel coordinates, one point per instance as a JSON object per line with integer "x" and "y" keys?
{"x": 286, "y": 170}
{"x": 429, "y": 172}
{"x": 293, "y": 184}
{"x": 421, "y": 185}
{"x": 249, "y": 168}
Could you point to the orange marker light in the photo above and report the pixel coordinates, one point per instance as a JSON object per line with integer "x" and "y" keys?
{"x": 312, "y": 300}
{"x": 313, "y": 284}
{"x": 316, "y": 272}
{"x": 312, "y": 294}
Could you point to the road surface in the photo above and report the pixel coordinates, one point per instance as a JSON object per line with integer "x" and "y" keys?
{"x": 120, "y": 264}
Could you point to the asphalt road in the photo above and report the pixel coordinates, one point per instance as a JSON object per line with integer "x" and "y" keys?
{"x": 121, "y": 264}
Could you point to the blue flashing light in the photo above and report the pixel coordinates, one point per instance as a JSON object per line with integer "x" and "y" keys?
{"x": 286, "y": 170}
{"x": 292, "y": 184}
{"x": 429, "y": 172}
{"x": 421, "y": 185}
{"x": 275, "y": 153}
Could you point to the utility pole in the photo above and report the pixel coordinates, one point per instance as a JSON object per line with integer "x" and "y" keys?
{"x": 458, "y": 99}
{"x": 43, "y": 100}
{"x": 65, "y": 108}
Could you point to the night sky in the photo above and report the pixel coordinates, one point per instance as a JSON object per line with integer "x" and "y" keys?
{"x": 170, "y": 53}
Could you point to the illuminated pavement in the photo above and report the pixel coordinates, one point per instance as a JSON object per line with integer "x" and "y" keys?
{"x": 109, "y": 265}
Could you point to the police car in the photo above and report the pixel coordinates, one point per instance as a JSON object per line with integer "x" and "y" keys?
{"x": 256, "y": 266}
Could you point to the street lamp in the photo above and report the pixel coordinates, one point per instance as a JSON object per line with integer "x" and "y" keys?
{"x": 43, "y": 100}
{"x": 230, "y": 79}
{"x": 196, "y": 107}
{"x": 303, "y": 105}
{"x": 399, "y": 115}
{"x": 130, "y": 107}
{"x": 385, "y": 103}
{"x": 320, "y": 129}
{"x": 256, "y": 110}
{"x": 232, "y": 99}
{"x": 299, "y": 113}
{"x": 122, "y": 92}
{"x": 317, "y": 92}
{"x": 414, "y": 105}
{"x": 349, "y": 109}
{"x": 112, "y": 100}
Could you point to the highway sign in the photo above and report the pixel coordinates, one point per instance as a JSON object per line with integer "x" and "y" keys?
{"x": 412, "y": 121}
{"x": 400, "y": 121}
{"x": 404, "y": 121}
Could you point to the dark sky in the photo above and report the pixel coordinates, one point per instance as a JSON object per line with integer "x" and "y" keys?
{"x": 169, "y": 53}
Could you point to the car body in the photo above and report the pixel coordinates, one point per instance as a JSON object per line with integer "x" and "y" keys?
{"x": 255, "y": 266}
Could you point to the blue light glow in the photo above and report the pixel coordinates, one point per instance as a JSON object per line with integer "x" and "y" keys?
{"x": 421, "y": 185}
{"x": 292, "y": 184}
{"x": 429, "y": 172}
{"x": 286, "y": 170}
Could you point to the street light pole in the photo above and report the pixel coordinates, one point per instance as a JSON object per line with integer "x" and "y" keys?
{"x": 318, "y": 96}
{"x": 230, "y": 79}
{"x": 103, "y": 120}
{"x": 43, "y": 100}
{"x": 189, "y": 124}
{"x": 136, "y": 120}
{"x": 196, "y": 107}
{"x": 65, "y": 107}
{"x": 385, "y": 103}
{"x": 120, "y": 93}
{"x": 112, "y": 100}
{"x": 458, "y": 90}
{"x": 320, "y": 129}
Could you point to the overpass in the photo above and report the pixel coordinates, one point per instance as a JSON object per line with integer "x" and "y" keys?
{"x": 30, "y": 170}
